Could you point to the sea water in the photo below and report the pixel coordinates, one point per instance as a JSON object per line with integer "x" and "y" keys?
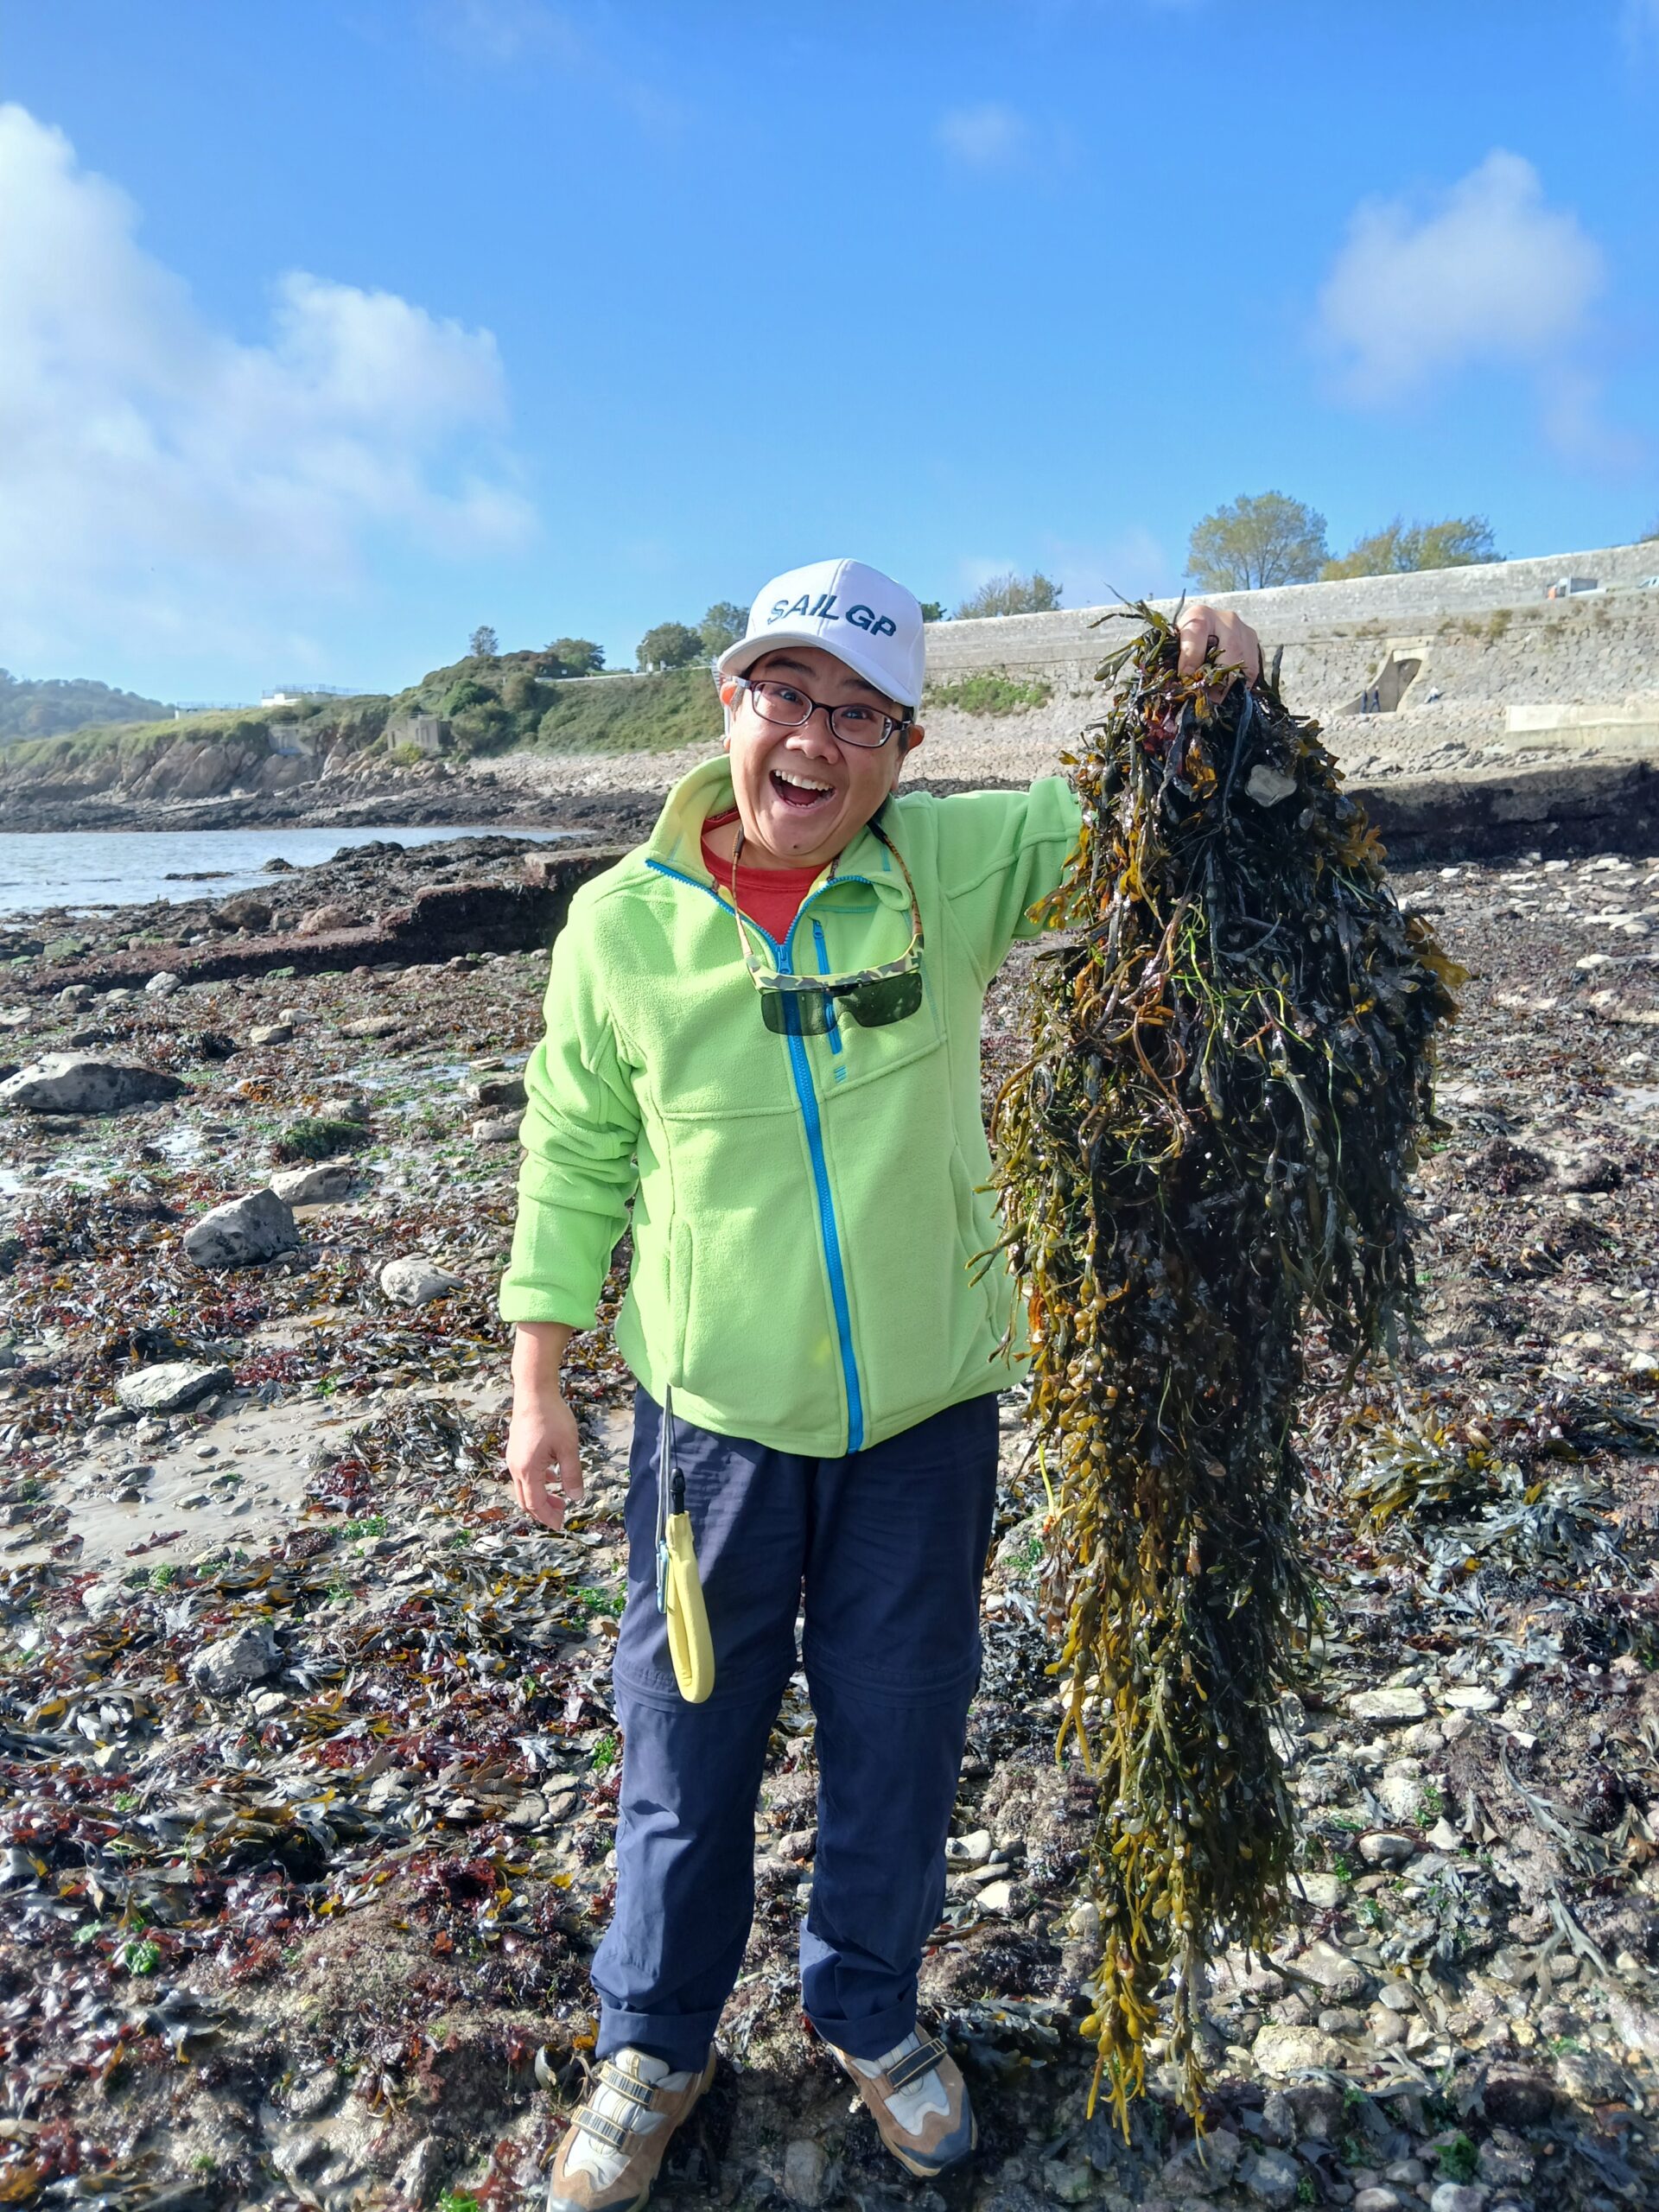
{"x": 85, "y": 869}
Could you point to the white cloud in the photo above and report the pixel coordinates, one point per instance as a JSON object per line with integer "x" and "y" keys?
{"x": 160, "y": 479}
{"x": 1491, "y": 276}
{"x": 504, "y": 31}
{"x": 983, "y": 137}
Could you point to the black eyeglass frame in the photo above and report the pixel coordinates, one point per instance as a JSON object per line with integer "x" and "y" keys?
{"x": 889, "y": 722}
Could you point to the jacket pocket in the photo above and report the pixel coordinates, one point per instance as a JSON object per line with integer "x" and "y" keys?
{"x": 751, "y": 1319}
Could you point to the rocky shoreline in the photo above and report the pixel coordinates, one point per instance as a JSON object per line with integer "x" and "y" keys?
{"x": 307, "y": 1762}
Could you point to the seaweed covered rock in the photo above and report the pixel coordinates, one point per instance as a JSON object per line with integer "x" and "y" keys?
{"x": 1208, "y": 1147}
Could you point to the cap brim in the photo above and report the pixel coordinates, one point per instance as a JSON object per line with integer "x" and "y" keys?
{"x": 738, "y": 659}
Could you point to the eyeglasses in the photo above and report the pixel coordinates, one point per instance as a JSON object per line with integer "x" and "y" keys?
{"x": 803, "y": 1006}
{"x": 787, "y": 707}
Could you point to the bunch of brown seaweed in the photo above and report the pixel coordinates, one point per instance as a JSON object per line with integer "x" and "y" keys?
{"x": 1208, "y": 1147}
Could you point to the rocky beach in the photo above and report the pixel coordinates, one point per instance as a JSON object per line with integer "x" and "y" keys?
{"x": 307, "y": 1762}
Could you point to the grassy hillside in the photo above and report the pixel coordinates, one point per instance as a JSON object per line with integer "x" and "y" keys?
{"x": 500, "y": 705}
{"x": 506, "y": 704}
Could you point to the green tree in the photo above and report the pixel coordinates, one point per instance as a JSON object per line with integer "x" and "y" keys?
{"x": 670, "y": 645}
{"x": 932, "y": 610}
{"x": 723, "y": 626}
{"x": 1262, "y": 538}
{"x": 1400, "y": 547}
{"x": 1650, "y": 535}
{"x": 482, "y": 645}
{"x": 577, "y": 656}
{"x": 1012, "y": 595}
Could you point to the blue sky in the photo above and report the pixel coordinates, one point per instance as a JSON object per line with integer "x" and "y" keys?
{"x": 328, "y": 329}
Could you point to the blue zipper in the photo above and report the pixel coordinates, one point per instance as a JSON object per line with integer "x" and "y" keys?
{"x": 806, "y": 1098}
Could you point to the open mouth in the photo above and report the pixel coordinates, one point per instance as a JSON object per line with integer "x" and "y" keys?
{"x": 801, "y": 792}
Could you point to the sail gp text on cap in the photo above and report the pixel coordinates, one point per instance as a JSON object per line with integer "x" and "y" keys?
{"x": 823, "y": 609}
{"x": 844, "y": 607}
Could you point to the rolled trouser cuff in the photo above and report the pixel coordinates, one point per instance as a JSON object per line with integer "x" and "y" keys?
{"x": 681, "y": 2042}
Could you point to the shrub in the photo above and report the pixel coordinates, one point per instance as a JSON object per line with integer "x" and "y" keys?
{"x": 468, "y": 692}
{"x": 314, "y": 1137}
{"x": 991, "y": 693}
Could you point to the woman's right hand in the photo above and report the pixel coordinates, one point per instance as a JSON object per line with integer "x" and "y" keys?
{"x": 543, "y": 1452}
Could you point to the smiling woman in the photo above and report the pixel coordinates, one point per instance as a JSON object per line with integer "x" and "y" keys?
{"x": 804, "y": 782}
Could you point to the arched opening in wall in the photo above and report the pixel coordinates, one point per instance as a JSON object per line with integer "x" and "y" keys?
{"x": 1389, "y": 685}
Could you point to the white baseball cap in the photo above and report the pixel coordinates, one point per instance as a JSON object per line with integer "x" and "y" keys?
{"x": 852, "y": 611}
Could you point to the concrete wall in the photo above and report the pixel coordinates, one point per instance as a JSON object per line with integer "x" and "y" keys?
{"x": 1066, "y": 646}
{"x": 1496, "y": 663}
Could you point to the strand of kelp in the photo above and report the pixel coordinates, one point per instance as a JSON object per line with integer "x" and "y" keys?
{"x": 1210, "y": 1143}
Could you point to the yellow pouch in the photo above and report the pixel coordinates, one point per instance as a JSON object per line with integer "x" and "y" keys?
{"x": 689, "y": 1644}
{"x": 679, "y": 1591}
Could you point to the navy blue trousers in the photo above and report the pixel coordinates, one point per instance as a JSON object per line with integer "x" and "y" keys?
{"x": 884, "y": 1550}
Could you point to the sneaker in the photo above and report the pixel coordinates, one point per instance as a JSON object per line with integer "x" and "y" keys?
{"x": 920, "y": 2103}
{"x": 614, "y": 2145}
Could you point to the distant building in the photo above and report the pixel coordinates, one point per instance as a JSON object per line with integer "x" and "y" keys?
{"x": 295, "y": 695}
{"x": 426, "y": 733}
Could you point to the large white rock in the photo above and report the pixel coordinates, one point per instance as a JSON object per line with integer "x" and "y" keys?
{"x": 72, "y": 1083}
{"x": 416, "y": 1281}
{"x": 171, "y": 1387}
{"x": 164, "y": 985}
{"x": 1390, "y": 1708}
{"x": 242, "y": 1233}
{"x": 1293, "y": 2050}
{"x": 315, "y": 1186}
{"x": 231, "y": 1663}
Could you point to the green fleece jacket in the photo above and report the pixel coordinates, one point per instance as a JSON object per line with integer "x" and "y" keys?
{"x": 805, "y": 1210}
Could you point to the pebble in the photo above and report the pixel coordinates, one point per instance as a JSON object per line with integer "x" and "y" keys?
{"x": 1272, "y": 2177}
{"x": 170, "y": 1387}
{"x": 1459, "y": 2196}
{"x": 1382, "y": 1847}
{"x": 997, "y": 1897}
{"x": 498, "y": 1093}
{"x": 70, "y": 1083}
{"x": 1332, "y": 1970}
{"x": 242, "y": 1233}
{"x": 231, "y": 1663}
{"x": 272, "y": 1033}
{"x": 495, "y": 1128}
{"x": 1281, "y": 2050}
{"x": 317, "y": 1185}
{"x": 1324, "y": 1891}
{"x": 805, "y": 2168}
{"x": 1389, "y": 1708}
{"x": 164, "y": 985}
{"x": 1380, "y": 2199}
{"x": 417, "y": 1281}
{"x": 973, "y": 1850}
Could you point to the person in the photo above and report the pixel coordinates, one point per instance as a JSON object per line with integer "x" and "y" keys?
{"x": 762, "y": 1056}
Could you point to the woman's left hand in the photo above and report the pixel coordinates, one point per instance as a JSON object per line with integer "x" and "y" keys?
{"x": 1237, "y": 646}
